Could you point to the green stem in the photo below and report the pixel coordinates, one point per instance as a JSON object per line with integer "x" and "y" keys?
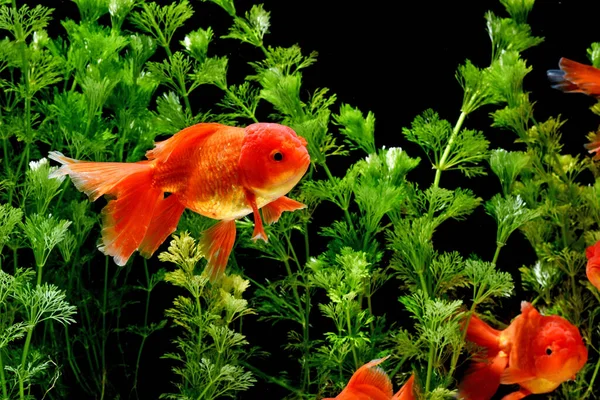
{"x": 591, "y": 383}
{"x": 442, "y": 162}
{"x": 349, "y": 322}
{"x": 456, "y": 353}
{"x": 73, "y": 361}
{"x": 345, "y": 209}
{"x": 180, "y": 79}
{"x": 249, "y": 113}
{"x": 104, "y": 334}
{"x": 497, "y": 253}
{"x": 24, "y": 360}
{"x": 3, "y": 378}
{"x": 429, "y": 368}
{"x": 256, "y": 371}
{"x": 145, "y": 335}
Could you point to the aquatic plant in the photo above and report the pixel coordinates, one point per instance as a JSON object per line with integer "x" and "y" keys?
{"x": 358, "y": 275}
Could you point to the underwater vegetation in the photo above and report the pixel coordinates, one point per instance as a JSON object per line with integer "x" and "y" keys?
{"x": 177, "y": 119}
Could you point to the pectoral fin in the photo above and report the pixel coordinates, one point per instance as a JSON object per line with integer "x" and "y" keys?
{"x": 259, "y": 230}
{"x": 272, "y": 211}
{"x": 517, "y": 395}
{"x": 514, "y": 375}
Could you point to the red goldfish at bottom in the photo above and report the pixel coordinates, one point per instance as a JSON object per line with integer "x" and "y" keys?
{"x": 536, "y": 352}
{"x": 370, "y": 382}
{"x": 592, "y": 269}
{"x": 218, "y": 171}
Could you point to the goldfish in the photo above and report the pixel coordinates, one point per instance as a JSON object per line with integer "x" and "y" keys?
{"x": 536, "y": 352}
{"x": 592, "y": 269}
{"x": 370, "y": 382}
{"x": 574, "y": 77}
{"x": 218, "y": 171}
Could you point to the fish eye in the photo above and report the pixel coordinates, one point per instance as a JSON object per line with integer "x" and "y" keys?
{"x": 548, "y": 351}
{"x": 277, "y": 155}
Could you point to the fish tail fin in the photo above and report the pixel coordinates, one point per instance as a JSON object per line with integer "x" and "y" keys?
{"x": 482, "y": 379}
{"x": 483, "y": 335}
{"x": 165, "y": 218}
{"x": 128, "y": 214}
{"x": 406, "y": 392}
{"x": 216, "y": 244}
{"x": 96, "y": 178}
{"x": 125, "y": 219}
{"x": 574, "y": 77}
{"x": 372, "y": 377}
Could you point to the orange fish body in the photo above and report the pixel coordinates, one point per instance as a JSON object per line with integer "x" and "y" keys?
{"x": 592, "y": 269}
{"x": 574, "y": 77}
{"x": 218, "y": 171}
{"x": 370, "y": 382}
{"x": 536, "y": 352}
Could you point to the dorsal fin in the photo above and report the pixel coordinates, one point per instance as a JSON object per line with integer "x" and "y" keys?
{"x": 189, "y": 136}
{"x": 372, "y": 376}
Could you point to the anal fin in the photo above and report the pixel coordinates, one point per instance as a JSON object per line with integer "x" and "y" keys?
{"x": 483, "y": 378}
{"x": 217, "y": 243}
{"x": 164, "y": 222}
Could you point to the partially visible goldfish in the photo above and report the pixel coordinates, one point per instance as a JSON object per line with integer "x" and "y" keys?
{"x": 574, "y": 77}
{"x": 370, "y": 382}
{"x": 592, "y": 269}
{"x": 219, "y": 171}
{"x": 536, "y": 352}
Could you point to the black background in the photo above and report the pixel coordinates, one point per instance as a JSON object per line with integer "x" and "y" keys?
{"x": 395, "y": 59}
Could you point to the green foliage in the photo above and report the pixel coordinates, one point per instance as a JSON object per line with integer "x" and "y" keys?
{"x": 510, "y": 214}
{"x": 162, "y": 22}
{"x": 507, "y": 165}
{"x": 358, "y": 130}
{"x": 209, "y": 349}
{"x": 252, "y": 28}
{"x": 508, "y": 34}
{"x": 99, "y": 93}
{"x": 466, "y": 148}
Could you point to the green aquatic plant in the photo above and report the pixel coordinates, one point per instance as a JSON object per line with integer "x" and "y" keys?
{"x": 125, "y": 72}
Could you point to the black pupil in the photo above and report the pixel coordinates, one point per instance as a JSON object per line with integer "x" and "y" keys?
{"x": 548, "y": 351}
{"x": 277, "y": 156}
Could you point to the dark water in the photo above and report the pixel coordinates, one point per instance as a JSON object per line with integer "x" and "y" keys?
{"x": 396, "y": 60}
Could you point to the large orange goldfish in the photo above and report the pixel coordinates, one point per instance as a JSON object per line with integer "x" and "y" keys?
{"x": 592, "y": 269}
{"x": 536, "y": 352}
{"x": 219, "y": 171}
{"x": 370, "y": 382}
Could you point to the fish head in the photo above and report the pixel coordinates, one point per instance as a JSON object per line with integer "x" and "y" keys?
{"x": 593, "y": 250}
{"x": 273, "y": 159}
{"x": 558, "y": 350}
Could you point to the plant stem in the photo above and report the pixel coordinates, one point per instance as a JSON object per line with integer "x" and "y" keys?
{"x": 440, "y": 166}
{"x": 345, "y": 209}
{"x": 273, "y": 379}
{"x": 429, "y": 369}
{"x": 145, "y": 335}
{"x": 104, "y": 334}
{"x": 497, "y": 253}
{"x": 3, "y": 378}
{"x": 24, "y": 360}
{"x": 249, "y": 113}
{"x": 349, "y": 321}
{"x": 591, "y": 383}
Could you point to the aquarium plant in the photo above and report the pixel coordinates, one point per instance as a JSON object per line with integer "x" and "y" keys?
{"x": 368, "y": 278}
